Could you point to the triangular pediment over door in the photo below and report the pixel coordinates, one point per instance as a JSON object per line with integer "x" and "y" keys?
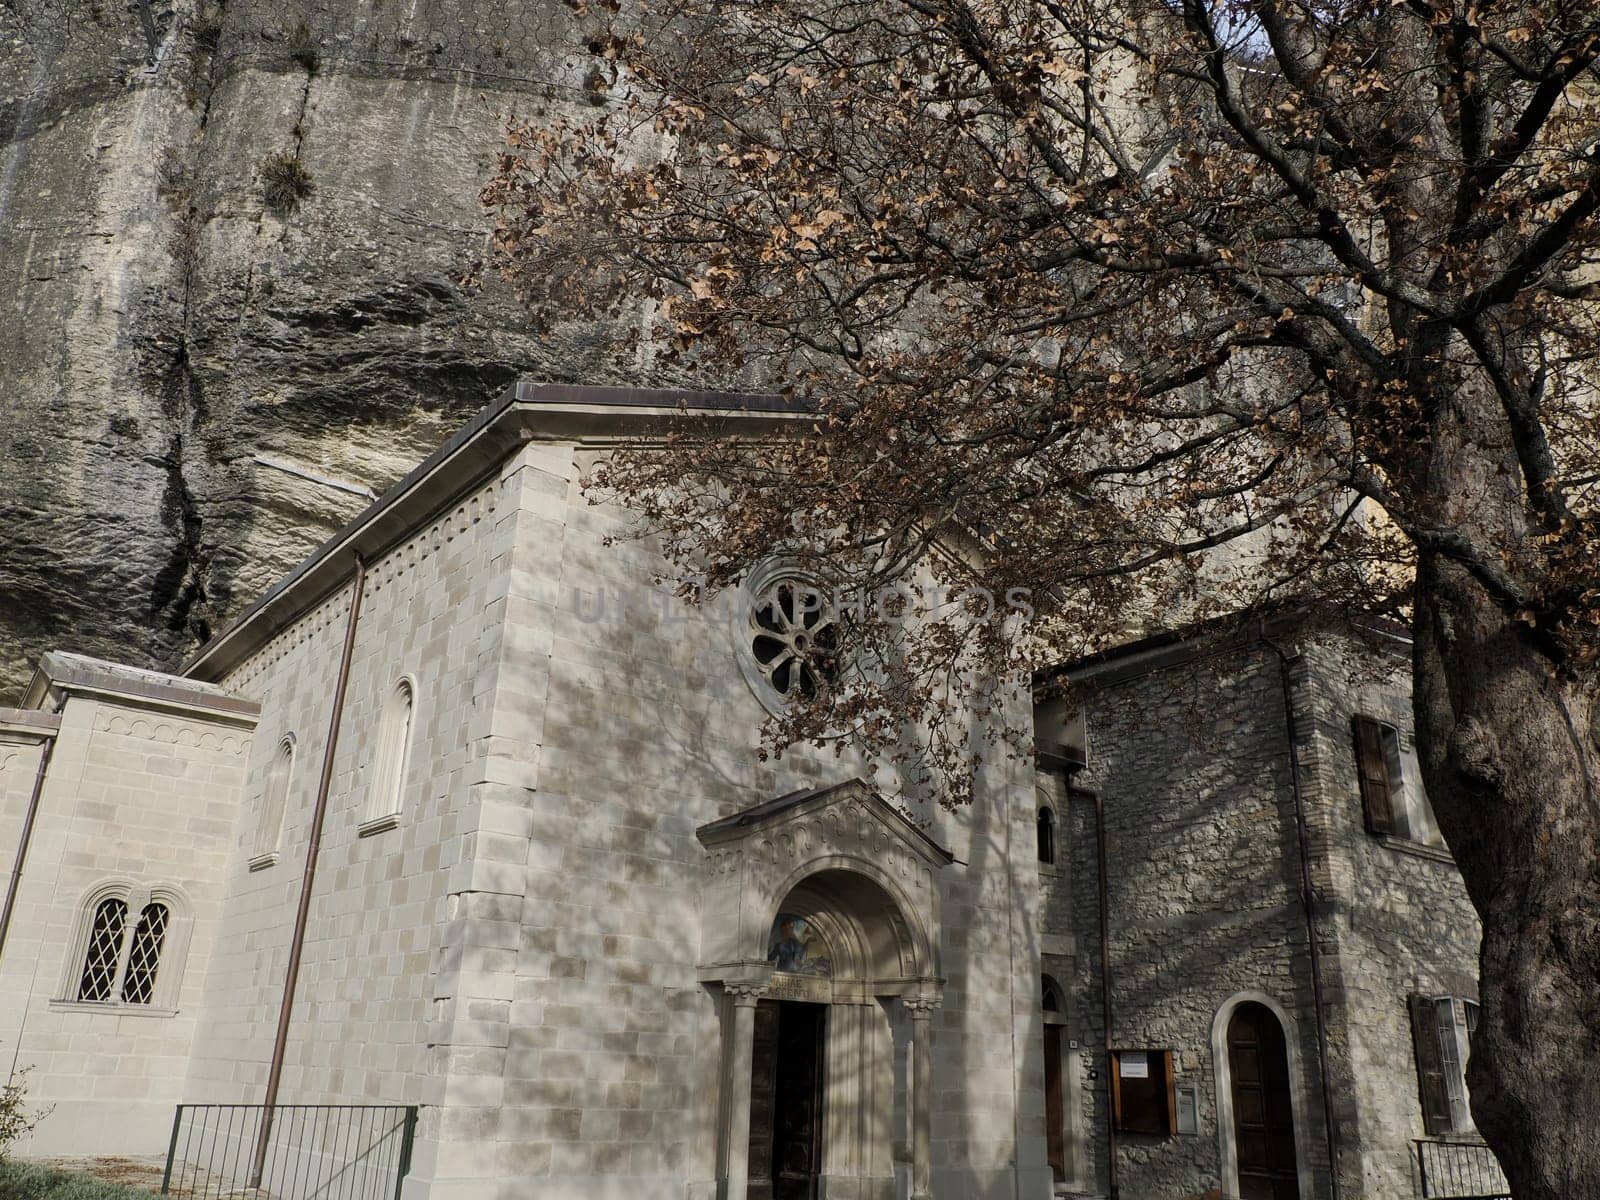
{"x": 843, "y": 839}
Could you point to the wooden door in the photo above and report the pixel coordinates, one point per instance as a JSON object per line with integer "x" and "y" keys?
{"x": 786, "y": 1076}
{"x": 1263, "y": 1116}
{"x": 763, "y": 1093}
{"x": 797, "y": 1107}
{"x": 1054, "y": 1110}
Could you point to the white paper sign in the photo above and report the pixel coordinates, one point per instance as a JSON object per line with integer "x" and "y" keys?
{"x": 1135, "y": 1066}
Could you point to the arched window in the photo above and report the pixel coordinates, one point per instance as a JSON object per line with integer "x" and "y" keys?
{"x": 125, "y": 959}
{"x": 1047, "y": 836}
{"x": 104, "y": 960}
{"x": 389, "y": 761}
{"x": 144, "y": 954}
{"x": 1051, "y": 1001}
{"x": 269, "y": 826}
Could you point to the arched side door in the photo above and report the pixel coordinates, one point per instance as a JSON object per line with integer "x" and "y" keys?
{"x": 1263, "y": 1113}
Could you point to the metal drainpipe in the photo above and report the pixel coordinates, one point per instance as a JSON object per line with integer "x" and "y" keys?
{"x": 1113, "y": 1188}
{"x": 297, "y": 938}
{"x": 1306, "y": 902}
{"x": 15, "y": 882}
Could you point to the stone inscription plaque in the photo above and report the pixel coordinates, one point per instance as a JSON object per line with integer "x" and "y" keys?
{"x": 799, "y": 987}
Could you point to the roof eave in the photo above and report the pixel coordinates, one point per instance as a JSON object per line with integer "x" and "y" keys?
{"x": 59, "y": 676}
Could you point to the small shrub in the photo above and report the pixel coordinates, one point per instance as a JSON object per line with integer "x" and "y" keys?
{"x": 207, "y": 32}
{"x": 284, "y": 183}
{"x": 32, "y": 1181}
{"x": 303, "y": 48}
{"x": 16, "y": 1118}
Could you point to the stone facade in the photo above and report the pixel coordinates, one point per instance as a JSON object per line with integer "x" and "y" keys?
{"x": 142, "y": 791}
{"x": 558, "y": 947}
{"x": 1188, "y": 750}
{"x": 1399, "y": 918}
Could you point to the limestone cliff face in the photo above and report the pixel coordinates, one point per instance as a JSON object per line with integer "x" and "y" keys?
{"x": 164, "y": 328}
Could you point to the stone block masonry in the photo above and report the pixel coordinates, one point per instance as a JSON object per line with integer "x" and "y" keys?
{"x": 139, "y": 805}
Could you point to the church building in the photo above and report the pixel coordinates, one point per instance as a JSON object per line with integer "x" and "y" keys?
{"x": 485, "y": 797}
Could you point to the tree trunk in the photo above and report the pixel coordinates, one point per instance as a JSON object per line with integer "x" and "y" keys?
{"x": 1508, "y": 757}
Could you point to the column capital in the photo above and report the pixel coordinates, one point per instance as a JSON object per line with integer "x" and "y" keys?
{"x": 745, "y": 992}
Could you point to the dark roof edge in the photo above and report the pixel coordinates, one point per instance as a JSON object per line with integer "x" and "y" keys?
{"x": 1234, "y": 630}
{"x": 525, "y": 411}
{"x": 687, "y": 400}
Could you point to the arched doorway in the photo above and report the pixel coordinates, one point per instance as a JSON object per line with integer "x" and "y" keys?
{"x": 825, "y": 1102}
{"x": 1063, "y": 1098}
{"x": 819, "y": 926}
{"x": 1263, "y": 1105}
{"x": 1055, "y": 1109}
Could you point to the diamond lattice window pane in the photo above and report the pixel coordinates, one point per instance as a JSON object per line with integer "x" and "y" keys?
{"x": 139, "y": 984}
{"x": 105, "y": 943}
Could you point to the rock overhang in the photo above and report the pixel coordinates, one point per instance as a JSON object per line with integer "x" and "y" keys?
{"x": 527, "y": 411}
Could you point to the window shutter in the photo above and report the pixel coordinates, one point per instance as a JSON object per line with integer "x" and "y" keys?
{"x": 1372, "y": 766}
{"x": 1116, "y": 1090}
{"x": 1431, "y": 1089}
{"x": 1143, "y": 1102}
{"x": 1171, "y": 1090}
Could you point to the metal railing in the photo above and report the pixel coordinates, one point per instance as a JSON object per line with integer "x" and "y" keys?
{"x": 314, "y": 1151}
{"x": 1460, "y": 1171}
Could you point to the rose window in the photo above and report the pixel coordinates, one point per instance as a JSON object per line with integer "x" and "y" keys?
{"x": 794, "y": 639}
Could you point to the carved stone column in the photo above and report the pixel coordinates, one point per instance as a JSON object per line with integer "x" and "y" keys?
{"x": 920, "y": 1010}
{"x": 745, "y": 996}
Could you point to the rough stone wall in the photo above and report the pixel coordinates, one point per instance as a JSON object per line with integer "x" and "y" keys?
{"x": 163, "y": 325}
{"x": 1191, "y": 761}
{"x": 144, "y": 794}
{"x": 1401, "y": 923}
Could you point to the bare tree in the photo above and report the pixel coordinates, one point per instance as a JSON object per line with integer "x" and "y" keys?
{"x": 1152, "y": 310}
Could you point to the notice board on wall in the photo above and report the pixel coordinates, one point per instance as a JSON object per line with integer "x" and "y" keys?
{"x": 1142, "y": 1098}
